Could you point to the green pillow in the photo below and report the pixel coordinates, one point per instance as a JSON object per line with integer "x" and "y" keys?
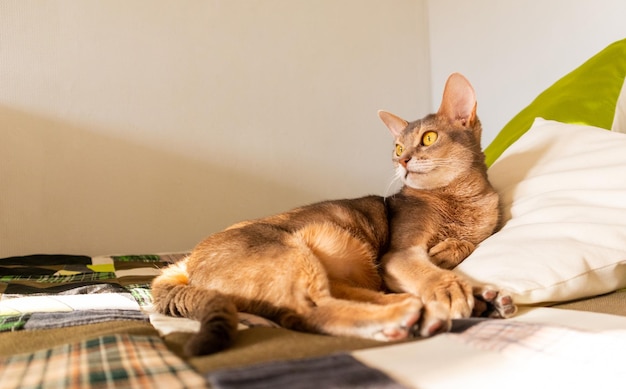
{"x": 588, "y": 95}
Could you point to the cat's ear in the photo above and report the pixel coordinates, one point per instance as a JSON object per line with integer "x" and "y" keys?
{"x": 459, "y": 100}
{"x": 394, "y": 123}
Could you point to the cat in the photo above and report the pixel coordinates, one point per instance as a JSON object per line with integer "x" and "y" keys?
{"x": 372, "y": 267}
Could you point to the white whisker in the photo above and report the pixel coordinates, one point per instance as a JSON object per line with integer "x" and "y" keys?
{"x": 393, "y": 184}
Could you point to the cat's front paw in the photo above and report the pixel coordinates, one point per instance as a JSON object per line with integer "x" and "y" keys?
{"x": 451, "y": 291}
{"x": 448, "y": 253}
{"x": 493, "y": 302}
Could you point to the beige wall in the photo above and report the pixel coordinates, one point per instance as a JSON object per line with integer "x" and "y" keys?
{"x": 513, "y": 50}
{"x": 142, "y": 126}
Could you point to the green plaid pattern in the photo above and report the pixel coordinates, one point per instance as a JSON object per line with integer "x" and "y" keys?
{"x": 13, "y": 323}
{"x": 136, "y": 258}
{"x": 166, "y": 258}
{"x": 96, "y": 276}
{"x": 113, "y": 361}
{"x": 141, "y": 293}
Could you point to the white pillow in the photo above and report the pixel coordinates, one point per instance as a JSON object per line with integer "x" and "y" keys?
{"x": 619, "y": 120}
{"x": 563, "y": 190}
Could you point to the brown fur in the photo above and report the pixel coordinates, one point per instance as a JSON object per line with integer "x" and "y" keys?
{"x": 324, "y": 267}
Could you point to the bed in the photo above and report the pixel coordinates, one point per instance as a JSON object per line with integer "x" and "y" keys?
{"x": 559, "y": 165}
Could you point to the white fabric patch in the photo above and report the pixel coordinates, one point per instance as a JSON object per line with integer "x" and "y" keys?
{"x": 69, "y": 303}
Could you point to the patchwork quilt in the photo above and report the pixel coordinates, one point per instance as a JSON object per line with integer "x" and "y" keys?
{"x": 60, "y": 327}
{"x": 46, "y": 291}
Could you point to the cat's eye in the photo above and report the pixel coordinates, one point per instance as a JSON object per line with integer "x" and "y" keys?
{"x": 399, "y": 149}
{"x": 429, "y": 138}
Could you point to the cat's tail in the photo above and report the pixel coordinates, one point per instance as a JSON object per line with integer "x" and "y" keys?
{"x": 172, "y": 295}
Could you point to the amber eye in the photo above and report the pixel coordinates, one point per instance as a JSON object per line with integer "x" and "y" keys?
{"x": 399, "y": 149}
{"x": 429, "y": 138}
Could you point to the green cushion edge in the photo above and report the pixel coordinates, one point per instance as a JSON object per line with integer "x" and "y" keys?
{"x": 587, "y": 95}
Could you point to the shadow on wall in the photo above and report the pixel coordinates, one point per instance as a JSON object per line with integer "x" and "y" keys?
{"x": 66, "y": 189}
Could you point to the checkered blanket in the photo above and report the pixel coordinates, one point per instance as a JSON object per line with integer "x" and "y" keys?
{"x": 45, "y": 293}
{"x": 556, "y": 345}
{"x": 113, "y": 361}
{"x": 42, "y": 292}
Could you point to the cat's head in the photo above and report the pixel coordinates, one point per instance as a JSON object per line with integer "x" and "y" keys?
{"x": 434, "y": 151}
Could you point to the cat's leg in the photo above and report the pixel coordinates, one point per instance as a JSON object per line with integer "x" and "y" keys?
{"x": 390, "y": 322}
{"x": 172, "y": 295}
{"x": 423, "y": 278}
{"x": 400, "y": 317}
{"x": 434, "y": 316}
{"x": 448, "y": 253}
{"x": 412, "y": 271}
{"x": 493, "y": 302}
{"x": 345, "y": 291}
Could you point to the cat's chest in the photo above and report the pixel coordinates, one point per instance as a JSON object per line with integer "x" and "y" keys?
{"x": 472, "y": 219}
{"x": 430, "y": 218}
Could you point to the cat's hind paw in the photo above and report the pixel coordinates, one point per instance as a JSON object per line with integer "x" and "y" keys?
{"x": 493, "y": 302}
{"x": 425, "y": 321}
{"x": 403, "y": 318}
{"x": 435, "y": 320}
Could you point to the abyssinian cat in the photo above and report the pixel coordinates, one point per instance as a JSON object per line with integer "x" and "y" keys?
{"x": 329, "y": 267}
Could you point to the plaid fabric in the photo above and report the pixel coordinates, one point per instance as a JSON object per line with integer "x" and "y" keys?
{"x": 534, "y": 340}
{"x": 115, "y": 361}
{"x": 141, "y": 293}
{"x": 55, "y": 279}
{"x": 13, "y": 323}
{"x": 510, "y": 336}
{"x": 52, "y": 288}
{"x": 163, "y": 258}
{"x": 43, "y": 320}
{"x": 135, "y": 258}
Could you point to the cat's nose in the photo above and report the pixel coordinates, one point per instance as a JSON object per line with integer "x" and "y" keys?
{"x": 404, "y": 161}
